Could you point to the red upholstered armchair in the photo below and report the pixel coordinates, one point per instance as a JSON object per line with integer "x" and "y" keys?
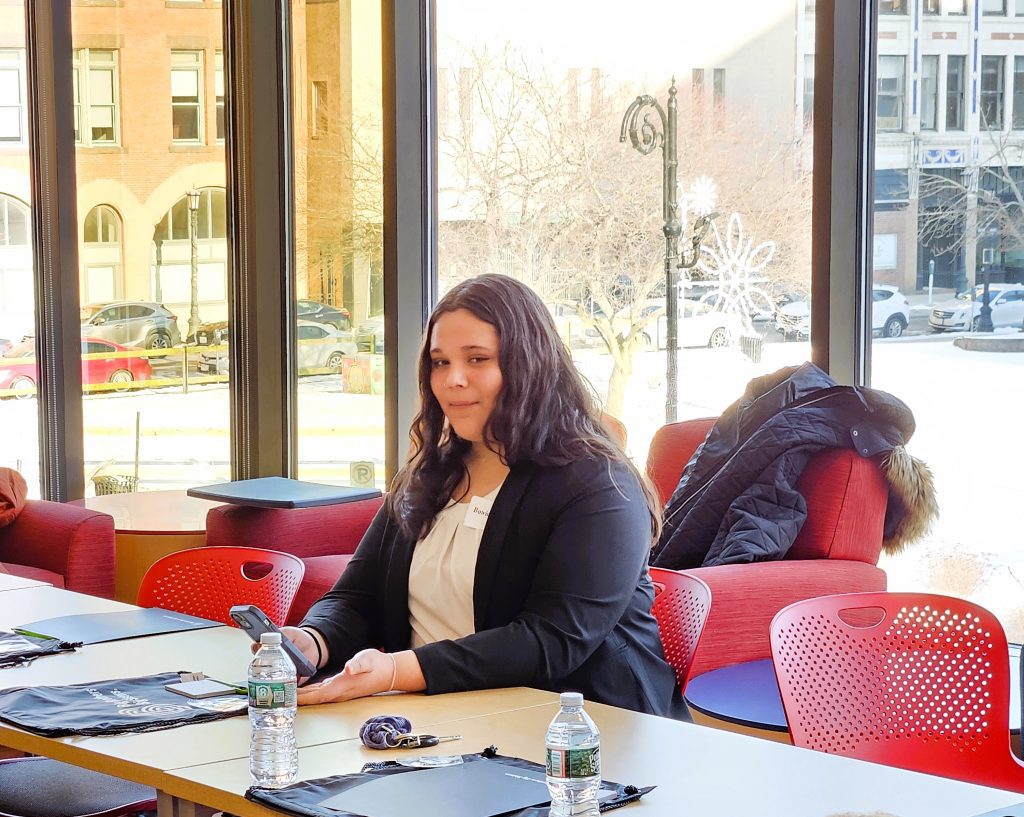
{"x": 324, "y": 537}
{"x": 836, "y": 551}
{"x": 64, "y": 545}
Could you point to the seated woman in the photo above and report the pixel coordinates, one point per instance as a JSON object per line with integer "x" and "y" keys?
{"x": 512, "y": 549}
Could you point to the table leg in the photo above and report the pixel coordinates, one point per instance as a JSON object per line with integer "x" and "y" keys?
{"x": 168, "y": 806}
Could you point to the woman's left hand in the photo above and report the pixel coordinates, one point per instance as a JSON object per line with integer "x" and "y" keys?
{"x": 366, "y": 673}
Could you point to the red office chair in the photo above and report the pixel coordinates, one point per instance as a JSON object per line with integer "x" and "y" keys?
{"x": 208, "y": 581}
{"x": 906, "y": 679}
{"x": 681, "y": 606}
{"x": 202, "y": 582}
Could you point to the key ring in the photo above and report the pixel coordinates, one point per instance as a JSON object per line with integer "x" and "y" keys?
{"x": 383, "y": 731}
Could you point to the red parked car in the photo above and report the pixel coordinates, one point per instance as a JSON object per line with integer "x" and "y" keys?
{"x": 18, "y": 369}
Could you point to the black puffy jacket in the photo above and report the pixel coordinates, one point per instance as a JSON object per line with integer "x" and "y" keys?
{"x": 737, "y": 499}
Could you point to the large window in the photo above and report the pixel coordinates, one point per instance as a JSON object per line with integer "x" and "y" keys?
{"x": 101, "y": 255}
{"x": 892, "y": 6}
{"x": 891, "y": 92}
{"x": 929, "y": 91}
{"x": 945, "y": 6}
{"x": 1018, "y": 93}
{"x": 95, "y": 90}
{"x": 992, "y": 92}
{"x": 993, "y": 7}
{"x": 339, "y": 213}
{"x": 218, "y": 89}
{"x": 12, "y": 95}
{"x": 534, "y": 183}
{"x": 153, "y": 257}
{"x": 20, "y": 446}
{"x": 956, "y": 223}
{"x": 955, "y": 67}
{"x": 808, "y": 96}
{"x": 186, "y": 96}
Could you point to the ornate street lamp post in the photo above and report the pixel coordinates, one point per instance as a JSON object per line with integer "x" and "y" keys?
{"x": 193, "y": 234}
{"x": 645, "y": 135}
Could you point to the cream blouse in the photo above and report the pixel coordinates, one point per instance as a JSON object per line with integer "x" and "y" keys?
{"x": 442, "y": 573}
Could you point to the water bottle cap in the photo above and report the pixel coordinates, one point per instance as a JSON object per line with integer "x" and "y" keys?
{"x": 271, "y": 638}
{"x": 571, "y": 699}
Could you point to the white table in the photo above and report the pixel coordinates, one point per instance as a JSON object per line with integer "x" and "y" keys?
{"x": 697, "y": 770}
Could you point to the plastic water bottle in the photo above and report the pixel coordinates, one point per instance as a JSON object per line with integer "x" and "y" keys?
{"x": 573, "y": 746}
{"x": 273, "y": 756}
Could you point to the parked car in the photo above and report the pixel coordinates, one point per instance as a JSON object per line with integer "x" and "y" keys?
{"x": 19, "y": 370}
{"x": 370, "y": 335}
{"x": 337, "y": 316}
{"x": 1006, "y": 301}
{"x": 320, "y": 347}
{"x": 132, "y": 323}
{"x": 698, "y": 325}
{"x": 890, "y": 314}
{"x": 5, "y": 346}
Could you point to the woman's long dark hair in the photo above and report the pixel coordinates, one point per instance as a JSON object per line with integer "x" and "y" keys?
{"x": 545, "y": 413}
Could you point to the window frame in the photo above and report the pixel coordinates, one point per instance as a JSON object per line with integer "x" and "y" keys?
{"x": 82, "y": 66}
{"x": 999, "y": 93}
{"x": 198, "y": 105}
{"x": 936, "y": 60}
{"x": 960, "y": 95}
{"x": 18, "y": 66}
{"x": 901, "y": 96}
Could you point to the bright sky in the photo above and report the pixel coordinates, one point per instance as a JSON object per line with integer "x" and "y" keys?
{"x": 653, "y": 38}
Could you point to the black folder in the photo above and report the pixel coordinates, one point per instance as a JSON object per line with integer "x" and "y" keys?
{"x": 95, "y": 628}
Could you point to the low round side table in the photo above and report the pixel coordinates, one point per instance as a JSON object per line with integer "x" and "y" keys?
{"x": 147, "y": 526}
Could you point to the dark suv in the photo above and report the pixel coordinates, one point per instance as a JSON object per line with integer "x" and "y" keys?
{"x": 132, "y": 323}
{"x": 336, "y": 316}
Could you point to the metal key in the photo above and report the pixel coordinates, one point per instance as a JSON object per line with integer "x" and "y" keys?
{"x": 421, "y": 741}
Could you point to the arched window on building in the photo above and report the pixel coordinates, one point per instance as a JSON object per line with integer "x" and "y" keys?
{"x": 101, "y": 256}
{"x": 172, "y": 255}
{"x": 17, "y": 296}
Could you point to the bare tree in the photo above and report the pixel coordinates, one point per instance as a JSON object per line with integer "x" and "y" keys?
{"x": 535, "y": 184}
{"x": 990, "y": 194}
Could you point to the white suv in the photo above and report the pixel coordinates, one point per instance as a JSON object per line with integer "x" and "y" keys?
{"x": 1006, "y": 301}
{"x": 890, "y": 314}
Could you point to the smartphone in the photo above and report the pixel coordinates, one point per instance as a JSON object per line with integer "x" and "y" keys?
{"x": 255, "y": 622}
{"x": 206, "y": 688}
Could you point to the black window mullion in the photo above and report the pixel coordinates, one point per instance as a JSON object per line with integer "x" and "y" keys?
{"x": 55, "y": 248}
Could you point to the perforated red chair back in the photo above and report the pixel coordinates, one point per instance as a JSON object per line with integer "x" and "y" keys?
{"x": 681, "y": 606}
{"x": 906, "y": 679}
{"x": 208, "y": 581}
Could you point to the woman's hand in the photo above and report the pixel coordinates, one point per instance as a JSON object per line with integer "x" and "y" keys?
{"x": 368, "y": 672}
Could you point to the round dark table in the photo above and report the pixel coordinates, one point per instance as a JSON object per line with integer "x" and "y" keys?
{"x": 748, "y": 695}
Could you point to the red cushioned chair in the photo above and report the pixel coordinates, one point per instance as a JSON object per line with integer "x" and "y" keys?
{"x": 324, "y": 538}
{"x": 209, "y": 581}
{"x": 681, "y": 606}
{"x": 64, "y": 545}
{"x": 836, "y": 551}
{"x": 912, "y": 680}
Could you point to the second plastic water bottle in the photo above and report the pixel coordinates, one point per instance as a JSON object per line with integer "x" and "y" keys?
{"x": 573, "y": 749}
{"x": 273, "y": 756}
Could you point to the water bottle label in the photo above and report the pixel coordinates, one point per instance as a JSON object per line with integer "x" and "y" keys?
{"x": 271, "y": 694}
{"x": 574, "y": 763}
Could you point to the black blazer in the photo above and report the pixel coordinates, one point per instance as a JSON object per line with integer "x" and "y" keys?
{"x": 561, "y": 596}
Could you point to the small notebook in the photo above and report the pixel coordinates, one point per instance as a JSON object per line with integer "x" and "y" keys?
{"x": 281, "y": 492}
{"x": 96, "y": 628}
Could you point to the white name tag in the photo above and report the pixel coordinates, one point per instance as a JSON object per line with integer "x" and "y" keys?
{"x": 477, "y": 512}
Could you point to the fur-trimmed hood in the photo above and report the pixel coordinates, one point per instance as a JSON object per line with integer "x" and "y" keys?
{"x": 912, "y": 485}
